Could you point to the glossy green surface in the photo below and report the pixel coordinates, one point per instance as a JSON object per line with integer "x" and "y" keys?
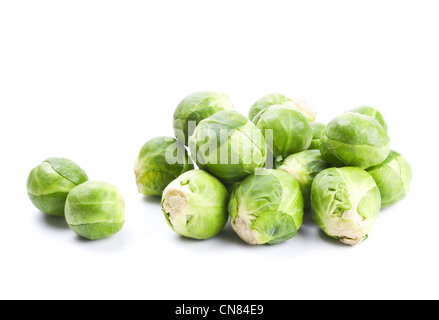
{"x": 352, "y": 139}
{"x": 266, "y": 208}
{"x": 195, "y": 108}
{"x": 317, "y": 132}
{"x": 286, "y": 130}
{"x": 49, "y": 184}
{"x": 371, "y": 112}
{"x": 160, "y": 161}
{"x": 228, "y": 146}
{"x": 393, "y": 178}
{"x": 95, "y": 210}
{"x": 267, "y": 101}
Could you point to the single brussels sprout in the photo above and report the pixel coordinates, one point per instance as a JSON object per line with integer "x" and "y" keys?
{"x": 317, "y": 132}
{"x": 195, "y": 205}
{"x": 352, "y": 139}
{"x": 393, "y": 178}
{"x": 266, "y": 208}
{"x": 304, "y": 167}
{"x": 95, "y": 210}
{"x": 371, "y": 112}
{"x": 160, "y": 161}
{"x": 279, "y": 99}
{"x": 49, "y": 184}
{"x": 286, "y": 130}
{"x": 229, "y": 146}
{"x": 195, "y": 108}
{"x": 345, "y": 203}
{"x": 267, "y": 101}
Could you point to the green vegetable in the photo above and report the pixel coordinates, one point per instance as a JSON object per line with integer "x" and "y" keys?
{"x": 160, "y": 161}
{"x": 229, "y": 146}
{"x": 95, "y": 210}
{"x": 345, "y": 203}
{"x": 279, "y": 99}
{"x": 317, "y": 132}
{"x": 371, "y": 112}
{"x": 286, "y": 130}
{"x": 354, "y": 140}
{"x": 49, "y": 184}
{"x": 195, "y": 108}
{"x": 267, "y": 101}
{"x": 195, "y": 205}
{"x": 393, "y": 178}
{"x": 304, "y": 167}
{"x": 266, "y": 208}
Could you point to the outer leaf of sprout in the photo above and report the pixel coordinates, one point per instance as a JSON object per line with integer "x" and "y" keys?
{"x": 393, "y": 178}
{"x": 49, "y": 184}
{"x": 196, "y": 107}
{"x": 160, "y": 161}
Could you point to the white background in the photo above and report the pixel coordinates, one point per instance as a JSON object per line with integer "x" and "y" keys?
{"x": 93, "y": 80}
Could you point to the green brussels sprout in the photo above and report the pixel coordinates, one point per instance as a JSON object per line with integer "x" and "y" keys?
{"x": 95, "y": 210}
{"x": 267, "y": 101}
{"x": 279, "y": 99}
{"x": 160, "y": 161}
{"x": 345, "y": 203}
{"x": 195, "y": 205}
{"x": 286, "y": 130}
{"x": 304, "y": 167}
{"x": 49, "y": 184}
{"x": 266, "y": 208}
{"x": 317, "y": 132}
{"x": 371, "y": 112}
{"x": 393, "y": 178}
{"x": 352, "y": 139}
{"x": 195, "y": 108}
{"x": 228, "y": 146}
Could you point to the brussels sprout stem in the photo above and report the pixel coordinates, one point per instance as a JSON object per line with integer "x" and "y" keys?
{"x": 175, "y": 202}
{"x": 352, "y": 233}
{"x": 240, "y": 226}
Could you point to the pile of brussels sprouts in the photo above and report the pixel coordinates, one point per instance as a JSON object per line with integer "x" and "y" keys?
{"x": 265, "y": 170}
{"x": 262, "y": 172}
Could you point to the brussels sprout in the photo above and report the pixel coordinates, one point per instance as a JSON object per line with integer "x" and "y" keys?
{"x": 317, "y": 132}
{"x": 352, "y": 139}
{"x": 160, "y": 161}
{"x": 393, "y": 178}
{"x": 290, "y": 131}
{"x": 267, "y": 101}
{"x": 371, "y": 112}
{"x": 195, "y": 205}
{"x": 195, "y": 108}
{"x": 266, "y": 208}
{"x": 345, "y": 203}
{"x": 279, "y": 99}
{"x": 95, "y": 210}
{"x": 229, "y": 146}
{"x": 304, "y": 167}
{"x": 49, "y": 184}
